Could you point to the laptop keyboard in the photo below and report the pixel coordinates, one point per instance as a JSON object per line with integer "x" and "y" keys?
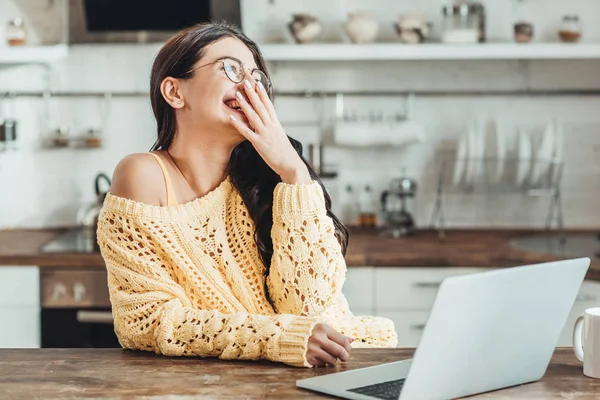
{"x": 386, "y": 390}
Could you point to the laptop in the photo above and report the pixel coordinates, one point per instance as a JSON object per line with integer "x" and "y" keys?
{"x": 486, "y": 331}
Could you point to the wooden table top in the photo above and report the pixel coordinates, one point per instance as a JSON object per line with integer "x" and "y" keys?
{"x": 461, "y": 248}
{"x": 116, "y": 373}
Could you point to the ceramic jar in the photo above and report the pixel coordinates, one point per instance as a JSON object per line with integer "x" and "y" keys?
{"x": 305, "y": 28}
{"x": 361, "y": 27}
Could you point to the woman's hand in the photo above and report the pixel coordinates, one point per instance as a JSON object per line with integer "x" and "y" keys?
{"x": 268, "y": 137}
{"x": 326, "y": 346}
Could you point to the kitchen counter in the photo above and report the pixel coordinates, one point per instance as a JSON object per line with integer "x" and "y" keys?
{"x": 461, "y": 248}
{"x": 116, "y": 373}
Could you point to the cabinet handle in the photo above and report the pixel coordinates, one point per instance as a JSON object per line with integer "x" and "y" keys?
{"x": 418, "y": 327}
{"x": 427, "y": 285}
{"x": 95, "y": 317}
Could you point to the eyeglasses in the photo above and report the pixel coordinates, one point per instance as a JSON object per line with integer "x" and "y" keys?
{"x": 234, "y": 70}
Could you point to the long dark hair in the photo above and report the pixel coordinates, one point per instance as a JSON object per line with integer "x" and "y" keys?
{"x": 248, "y": 172}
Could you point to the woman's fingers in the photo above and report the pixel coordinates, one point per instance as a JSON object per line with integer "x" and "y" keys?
{"x": 325, "y": 357}
{"x": 336, "y": 350}
{"x": 252, "y": 116}
{"x": 242, "y": 128}
{"x": 264, "y": 97}
{"x": 255, "y": 100}
{"x": 342, "y": 340}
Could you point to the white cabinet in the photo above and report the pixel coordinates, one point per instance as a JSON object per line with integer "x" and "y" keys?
{"x": 409, "y": 325}
{"x": 19, "y": 307}
{"x": 403, "y": 294}
{"x": 359, "y": 290}
{"x": 411, "y": 288}
{"x": 588, "y": 297}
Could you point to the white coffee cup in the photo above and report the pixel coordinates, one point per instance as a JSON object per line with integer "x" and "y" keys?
{"x": 586, "y": 335}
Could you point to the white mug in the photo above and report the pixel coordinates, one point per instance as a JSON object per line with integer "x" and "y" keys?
{"x": 586, "y": 335}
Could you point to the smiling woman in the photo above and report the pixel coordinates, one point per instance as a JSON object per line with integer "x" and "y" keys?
{"x": 221, "y": 241}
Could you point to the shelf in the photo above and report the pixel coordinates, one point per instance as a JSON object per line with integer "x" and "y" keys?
{"x": 32, "y": 54}
{"x": 437, "y": 51}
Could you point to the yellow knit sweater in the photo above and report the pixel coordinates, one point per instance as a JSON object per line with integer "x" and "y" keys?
{"x": 188, "y": 280}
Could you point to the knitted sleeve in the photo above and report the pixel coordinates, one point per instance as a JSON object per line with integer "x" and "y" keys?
{"x": 307, "y": 267}
{"x": 152, "y": 312}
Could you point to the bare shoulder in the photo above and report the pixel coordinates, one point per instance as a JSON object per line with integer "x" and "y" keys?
{"x": 138, "y": 177}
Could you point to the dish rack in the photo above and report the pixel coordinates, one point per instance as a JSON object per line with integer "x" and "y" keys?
{"x": 483, "y": 176}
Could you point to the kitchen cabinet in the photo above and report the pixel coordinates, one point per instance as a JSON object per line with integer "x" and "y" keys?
{"x": 359, "y": 290}
{"x": 405, "y": 295}
{"x": 19, "y": 307}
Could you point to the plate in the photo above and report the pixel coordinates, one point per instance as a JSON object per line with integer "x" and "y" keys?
{"x": 524, "y": 156}
{"x": 474, "y": 153}
{"x": 495, "y": 151}
{"x": 558, "y": 156}
{"x": 461, "y": 156}
{"x": 543, "y": 156}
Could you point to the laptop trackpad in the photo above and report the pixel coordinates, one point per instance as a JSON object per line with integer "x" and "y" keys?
{"x": 343, "y": 381}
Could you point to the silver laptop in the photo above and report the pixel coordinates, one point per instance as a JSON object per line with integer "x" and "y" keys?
{"x": 486, "y": 331}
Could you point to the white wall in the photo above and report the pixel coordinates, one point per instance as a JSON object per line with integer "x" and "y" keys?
{"x": 40, "y": 187}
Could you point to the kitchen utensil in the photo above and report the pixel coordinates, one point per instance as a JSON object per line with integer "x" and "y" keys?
{"x": 396, "y": 205}
{"x": 586, "y": 341}
{"x": 88, "y": 216}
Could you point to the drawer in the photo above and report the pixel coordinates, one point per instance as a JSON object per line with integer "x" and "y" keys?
{"x": 411, "y": 288}
{"x": 20, "y": 328}
{"x": 19, "y": 286}
{"x": 358, "y": 288}
{"x": 409, "y": 325}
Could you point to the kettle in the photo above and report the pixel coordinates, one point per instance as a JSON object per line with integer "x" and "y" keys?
{"x": 87, "y": 217}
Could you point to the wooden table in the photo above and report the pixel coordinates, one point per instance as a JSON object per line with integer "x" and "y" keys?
{"x": 115, "y": 373}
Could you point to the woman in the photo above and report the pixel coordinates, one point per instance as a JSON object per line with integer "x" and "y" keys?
{"x": 221, "y": 241}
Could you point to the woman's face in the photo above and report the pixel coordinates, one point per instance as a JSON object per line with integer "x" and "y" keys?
{"x": 209, "y": 95}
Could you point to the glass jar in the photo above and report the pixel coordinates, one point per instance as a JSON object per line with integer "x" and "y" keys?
{"x": 463, "y": 23}
{"x": 15, "y": 32}
{"x": 570, "y": 29}
{"x": 523, "y": 32}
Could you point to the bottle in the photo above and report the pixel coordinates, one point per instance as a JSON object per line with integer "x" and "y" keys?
{"x": 15, "y": 32}
{"x": 351, "y": 209}
{"x": 368, "y": 216}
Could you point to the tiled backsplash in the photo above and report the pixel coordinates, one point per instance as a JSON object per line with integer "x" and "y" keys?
{"x": 41, "y": 187}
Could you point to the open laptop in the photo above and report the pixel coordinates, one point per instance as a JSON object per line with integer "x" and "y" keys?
{"x": 486, "y": 331}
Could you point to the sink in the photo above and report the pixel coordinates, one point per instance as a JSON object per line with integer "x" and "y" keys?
{"x": 77, "y": 240}
{"x": 567, "y": 245}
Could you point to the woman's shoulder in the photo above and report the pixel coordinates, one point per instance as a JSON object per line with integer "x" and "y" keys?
{"x": 138, "y": 177}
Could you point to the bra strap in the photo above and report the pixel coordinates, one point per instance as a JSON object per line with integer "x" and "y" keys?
{"x": 171, "y": 198}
